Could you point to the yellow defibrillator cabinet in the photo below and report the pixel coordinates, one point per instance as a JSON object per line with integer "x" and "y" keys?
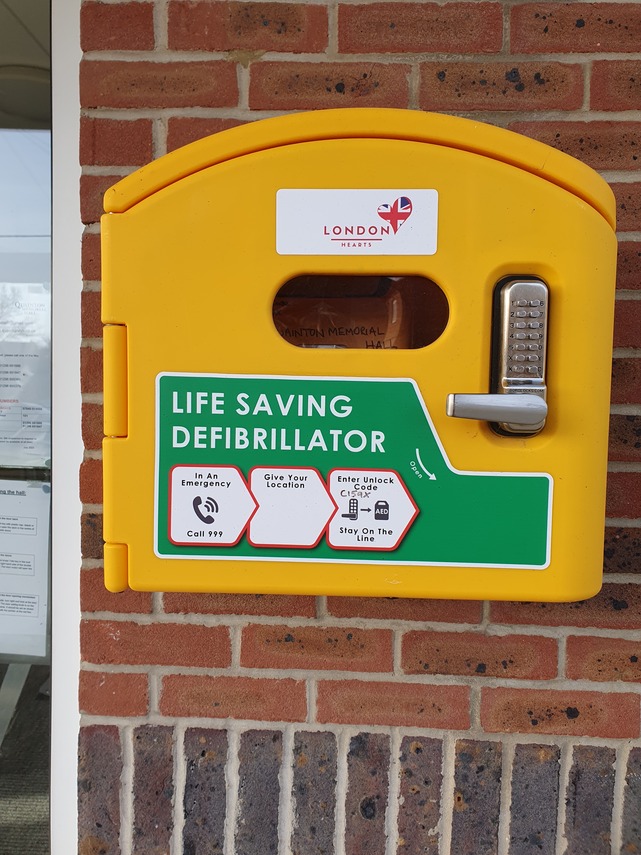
{"x": 358, "y": 352}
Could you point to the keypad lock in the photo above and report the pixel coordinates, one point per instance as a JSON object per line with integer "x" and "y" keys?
{"x": 516, "y": 405}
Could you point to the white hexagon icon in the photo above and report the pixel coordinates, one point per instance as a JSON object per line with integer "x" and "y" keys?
{"x": 208, "y": 505}
{"x": 375, "y": 509}
{"x": 293, "y": 506}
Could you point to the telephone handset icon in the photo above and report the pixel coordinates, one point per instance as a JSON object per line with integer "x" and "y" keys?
{"x": 209, "y": 505}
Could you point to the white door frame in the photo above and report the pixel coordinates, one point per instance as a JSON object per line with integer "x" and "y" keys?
{"x": 67, "y": 447}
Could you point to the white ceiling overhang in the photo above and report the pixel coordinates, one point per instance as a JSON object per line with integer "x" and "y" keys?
{"x": 25, "y": 64}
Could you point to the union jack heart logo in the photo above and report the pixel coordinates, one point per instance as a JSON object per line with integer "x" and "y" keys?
{"x": 397, "y": 213}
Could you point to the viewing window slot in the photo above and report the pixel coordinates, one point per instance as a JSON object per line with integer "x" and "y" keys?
{"x": 363, "y": 312}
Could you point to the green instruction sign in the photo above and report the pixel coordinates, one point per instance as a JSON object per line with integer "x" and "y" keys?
{"x": 329, "y": 469}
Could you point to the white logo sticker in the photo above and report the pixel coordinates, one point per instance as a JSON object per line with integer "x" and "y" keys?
{"x": 356, "y": 222}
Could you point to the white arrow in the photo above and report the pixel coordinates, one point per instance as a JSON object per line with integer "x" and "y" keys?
{"x": 429, "y": 474}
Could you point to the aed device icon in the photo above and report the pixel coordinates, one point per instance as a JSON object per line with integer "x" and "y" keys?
{"x": 381, "y": 511}
{"x": 388, "y": 404}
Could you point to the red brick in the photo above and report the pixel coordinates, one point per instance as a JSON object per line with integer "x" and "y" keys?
{"x": 90, "y": 314}
{"x": 284, "y": 27}
{"x": 533, "y": 820}
{"x": 91, "y": 369}
{"x": 315, "y": 647}
{"x": 92, "y": 425}
{"x": 260, "y": 757}
{"x": 99, "y": 766}
{"x": 627, "y": 323}
{"x": 91, "y": 481}
{"x": 152, "y": 789}
{"x": 308, "y": 86}
{"x": 395, "y": 608}
{"x": 575, "y": 28}
{"x": 107, "y": 142}
{"x": 615, "y": 84}
{"x": 625, "y": 438}
{"x": 623, "y": 495}
{"x": 393, "y": 704}
{"x": 629, "y": 265}
{"x": 420, "y": 28}
{"x": 607, "y": 659}
{"x": 626, "y": 381}
{"x": 566, "y": 712}
{"x": 118, "y": 83}
{"x": 116, "y": 26}
{"x": 184, "y": 130}
{"x": 622, "y": 550}
{"x": 90, "y": 256}
{"x": 271, "y": 605}
{"x": 602, "y": 145}
{"x": 477, "y": 796}
{"x": 94, "y": 597}
{"x": 234, "y": 697}
{"x": 500, "y": 86}
{"x": 127, "y": 643}
{"x": 314, "y": 783}
{"x": 628, "y": 210}
{"x": 113, "y": 694}
{"x": 589, "y": 801}
{"x": 91, "y": 535}
{"x": 617, "y": 606}
{"x": 367, "y": 797}
{"x": 205, "y": 752}
{"x": 631, "y": 830}
{"x": 472, "y": 654}
{"x": 421, "y": 782}
{"x": 92, "y": 190}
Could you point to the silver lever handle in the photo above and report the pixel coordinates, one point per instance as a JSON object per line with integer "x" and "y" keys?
{"x": 527, "y": 410}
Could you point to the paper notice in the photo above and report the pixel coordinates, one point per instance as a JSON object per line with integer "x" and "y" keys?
{"x": 25, "y": 374}
{"x": 24, "y": 567}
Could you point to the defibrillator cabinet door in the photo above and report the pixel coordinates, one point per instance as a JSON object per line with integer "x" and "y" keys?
{"x": 344, "y": 362}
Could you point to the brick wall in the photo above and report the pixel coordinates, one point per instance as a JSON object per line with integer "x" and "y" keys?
{"x": 247, "y": 725}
